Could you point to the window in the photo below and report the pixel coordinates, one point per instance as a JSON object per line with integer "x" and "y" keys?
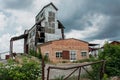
{"x": 37, "y": 19}
{"x": 58, "y": 54}
{"x": 52, "y": 30}
{"x": 47, "y": 54}
{"x": 33, "y": 33}
{"x": 83, "y": 54}
{"x": 46, "y": 24}
{"x": 50, "y": 19}
{"x": 72, "y": 55}
{"x": 49, "y": 30}
{"x": 29, "y": 35}
{"x": 41, "y": 15}
{"x": 51, "y": 16}
{"x": 52, "y": 25}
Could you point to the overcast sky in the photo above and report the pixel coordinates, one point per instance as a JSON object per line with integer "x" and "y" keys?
{"x": 89, "y": 20}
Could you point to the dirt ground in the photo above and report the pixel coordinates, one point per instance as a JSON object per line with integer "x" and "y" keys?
{"x": 55, "y": 73}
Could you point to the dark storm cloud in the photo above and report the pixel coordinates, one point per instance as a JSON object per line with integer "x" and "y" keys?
{"x": 75, "y": 11}
{"x": 17, "y": 4}
{"x": 111, "y": 31}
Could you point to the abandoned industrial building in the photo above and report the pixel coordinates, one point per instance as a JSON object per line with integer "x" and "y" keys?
{"x": 48, "y": 35}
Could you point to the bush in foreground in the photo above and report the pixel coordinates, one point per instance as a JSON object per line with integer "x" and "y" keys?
{"x": 27, "y": 70}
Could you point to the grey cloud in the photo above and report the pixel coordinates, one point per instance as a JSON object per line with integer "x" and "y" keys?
{"x": 74, "y": 11}
{"x": 17, "y": 4}
{"x": 111, "y": 30}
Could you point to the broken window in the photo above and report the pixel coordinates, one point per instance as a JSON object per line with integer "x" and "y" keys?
{"x": 51, "y": 16}
{"x": 42, "y": 34}
{"x": 46, "y": 24}
{"x": 49, "y": 30}
{"x": 52, "y": 25}
{"x": 41, "y": 40}
{"x": 32, "y": 33}
{"x": 50, "y": 19}
{"x": 52, "y": 30}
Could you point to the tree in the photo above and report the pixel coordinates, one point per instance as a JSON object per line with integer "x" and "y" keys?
{"x": 111, "y": 54}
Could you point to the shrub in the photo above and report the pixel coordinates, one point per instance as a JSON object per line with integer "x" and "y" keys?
{"x": 28, "y": 70}
{"x": 111, "y": 54}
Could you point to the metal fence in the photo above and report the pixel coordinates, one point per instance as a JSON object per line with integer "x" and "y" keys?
{"x": 74, "y": 72}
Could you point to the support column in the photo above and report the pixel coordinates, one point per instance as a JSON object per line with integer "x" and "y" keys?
{"x": 11, "y": 46}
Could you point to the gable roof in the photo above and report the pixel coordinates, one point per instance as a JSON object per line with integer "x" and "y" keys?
{"x": 47, "y": 6}
{"x": 115, "y": 42}
{"x": 50, "y": 42}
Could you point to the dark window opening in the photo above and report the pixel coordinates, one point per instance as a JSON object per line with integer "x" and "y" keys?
{"x": 47, "y": 54}
{"x": 58, "y": 54}
{"x": 49, "y": 30}
{"x": 42, "y": 29}
{"x": 83, "y": 54}
{"x": 51, "y": 16}
{"x": 42, "y": 34}
{"x": 50, "y": 19}
{"x": 40, "y": 40}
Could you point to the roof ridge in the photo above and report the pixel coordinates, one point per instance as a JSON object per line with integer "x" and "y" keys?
{"x": 47, "y": 6}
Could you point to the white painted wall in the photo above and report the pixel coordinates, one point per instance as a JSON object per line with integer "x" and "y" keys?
{"x": 57, "y": 35}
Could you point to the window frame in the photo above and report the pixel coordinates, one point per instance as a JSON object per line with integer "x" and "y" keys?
{"x": 59, "y": 54}
{"x": 73, "y": 55}
{"x": 84, "y": 55}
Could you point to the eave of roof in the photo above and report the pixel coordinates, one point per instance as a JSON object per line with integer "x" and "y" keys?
{"x": 50, "y": 42}
{"x": 61, "y": 25}
{"x": 90, "y": 44}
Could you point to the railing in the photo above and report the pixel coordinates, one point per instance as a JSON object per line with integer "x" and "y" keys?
{"x": 79, "y": 68}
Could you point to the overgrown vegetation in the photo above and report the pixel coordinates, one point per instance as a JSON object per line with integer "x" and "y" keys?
{"x": 25, "y": 67}
{"x": 39, "y": 55}
{"x": 111, "y": 54}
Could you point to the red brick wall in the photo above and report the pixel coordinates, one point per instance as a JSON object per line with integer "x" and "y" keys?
{"x": 65, "y": 45}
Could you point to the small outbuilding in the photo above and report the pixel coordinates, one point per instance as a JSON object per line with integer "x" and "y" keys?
{"x": 65, "y": 50}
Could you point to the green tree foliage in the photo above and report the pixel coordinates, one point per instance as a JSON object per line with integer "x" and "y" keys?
{"x": 111, "y": 54}
{"x": 39, "y": 55}
{"x": 28, "y": 70}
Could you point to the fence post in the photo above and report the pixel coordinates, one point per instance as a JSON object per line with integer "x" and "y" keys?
{"x": 79, "y": 73}
{"x": 48, "y": 73}
{"x": 43, "y": 66}
{"x": 102, "y": 70}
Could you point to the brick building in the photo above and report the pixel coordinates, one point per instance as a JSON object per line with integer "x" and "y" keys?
{"x": 65, "y": 50}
